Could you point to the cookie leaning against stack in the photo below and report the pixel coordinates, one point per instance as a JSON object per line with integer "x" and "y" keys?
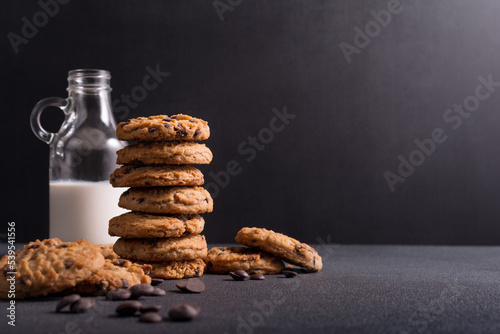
{"x": 266, "y": 251}
{"x": 165, "y": 194}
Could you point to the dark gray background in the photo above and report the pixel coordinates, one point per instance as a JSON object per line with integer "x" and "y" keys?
{"x": 322, "y": 178}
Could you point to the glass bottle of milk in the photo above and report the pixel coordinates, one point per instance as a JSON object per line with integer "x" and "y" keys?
{"x": 82, "y": 156}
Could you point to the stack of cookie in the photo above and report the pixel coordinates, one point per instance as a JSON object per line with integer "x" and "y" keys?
{"x": 163, "y": 229}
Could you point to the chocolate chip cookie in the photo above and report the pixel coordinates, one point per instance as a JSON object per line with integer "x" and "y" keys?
{"x": 144, "y": 225}
{"x": 162, "y": 127}
{"x": 222, "y": 260}
{"x": 115, "y": 274}
{"x": 289, "y": 249}
{"x": 162, "y": 249}
{"x": 164, "y": 153}
{"x": 49, "y": 266}
{"x": 156, "y": 176}
{"x": 177, "y": 269}
{"x": 189, "y": 200}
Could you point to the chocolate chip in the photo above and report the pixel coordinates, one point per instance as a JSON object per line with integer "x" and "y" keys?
{"x": 197, "y": 133}
{"x": 118, "y": 294}
{"x": 206, "y": 200}
{"x": 24, "y": 279}
{"x": 157, "y": 292}
{"x": 181, "y": 285}
{"x": 156, "y": 281}
{"x": 289, "y": 273}
{"x": 142, "y": 289}
{"x": 33, "y": 246}
{"x": 181, "y": 132}
{"x": 150, "y": 317}
{"x": 195, "y": 285}
{"x": 62, "y": 246}
{"x": 192, "y": 121}
{"x": 257, "y": 277}
{"x": 125, "y": 283}
{"x": 67, "y": 300}
{"x": 151, "y": 308}
{"x": 82, "y": 305}
{"x": 239, "y": 275}
{"x": 128, "y": 308}
{"x": 183, "y": 312}
{"x": 140, "y": 200}
{"x": 167, "y": 119}
{"x": 68, "y": 264}
{"x": 120, "y": 262}
{"x": 166, "y": 125}
{"x": 197, "y": 272}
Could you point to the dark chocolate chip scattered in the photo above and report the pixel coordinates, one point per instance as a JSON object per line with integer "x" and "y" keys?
{"x": 289, "y": 273}
{"x": 257, "y": 277}
{"x": 156, "y": 281}
{"x": 181, "y": 285}
{"x": 197, "y": 272}
{"x": 140, "y": 200}
{"x": 151, "y": 130}
{"x": 192, "y": 121}
{"x": 197, "y": 133}
{"x": 33, "y": 246}
{"x": 152, "y": 308}
{"x": 128, "y": 308}
{"x": 82, "y": 305}
{"x": 67, "y": 300}
{"x": 239, "y": 275}
{"x": 167, "y": 119}
{"x": 157, "y": 292}
{"x": 150, "y": 317}
{"x": 62, "y": 246}
{"x": 68, "y": 264}
{"x": 142, "y": 289}
{"x": 118, "y": 294}
{"x": 24, "y": 279}
{"x": 183, "y": 312}
{"x": 195, "y": 285}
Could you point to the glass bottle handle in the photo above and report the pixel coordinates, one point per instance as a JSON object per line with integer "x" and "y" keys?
{"x": 36, "y": 113}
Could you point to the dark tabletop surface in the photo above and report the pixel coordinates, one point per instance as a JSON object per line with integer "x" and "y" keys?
{"x": 361, "y": 289}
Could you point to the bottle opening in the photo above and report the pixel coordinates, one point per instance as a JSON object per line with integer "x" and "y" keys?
{"x": 89, "y": 78}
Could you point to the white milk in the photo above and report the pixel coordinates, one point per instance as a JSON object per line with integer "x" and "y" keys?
{"x": 83, "y": 210}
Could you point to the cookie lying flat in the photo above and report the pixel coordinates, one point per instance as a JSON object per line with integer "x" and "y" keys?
{"x": 287, "y": 248}
{"x": 144, "y": 225}
{"x": 222, "y": 260}
{"x": 189, "y": 200}
{"x": 156, "y": 176}
{"x": 115, "y": 274}
{"x": 164, "y": 153}
{"x": 177, "y": 269}
{"x": 50, "y": 266}
{"x": 158, "y": 249}
{"x": 162, "y": 127}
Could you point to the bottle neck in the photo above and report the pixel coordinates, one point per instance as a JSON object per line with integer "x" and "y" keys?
{"x": 90, "y": 93}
